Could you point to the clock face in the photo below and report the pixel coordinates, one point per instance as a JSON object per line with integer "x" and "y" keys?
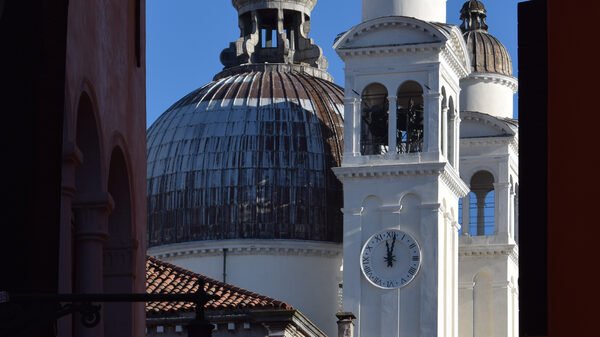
{"x": 390, "y": 259}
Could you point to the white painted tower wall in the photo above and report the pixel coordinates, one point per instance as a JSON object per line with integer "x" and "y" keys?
{"x": 488, "y": 93}
{"x": 426, "y": 10}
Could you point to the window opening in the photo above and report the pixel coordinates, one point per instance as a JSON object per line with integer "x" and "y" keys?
{"x": 374, "y": 120}
{"x": 482, "y": 204}
{"x": 409, "y": 122}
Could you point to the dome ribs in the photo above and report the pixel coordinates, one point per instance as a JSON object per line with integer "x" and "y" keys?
{"x": 256, "y": 166}
{"x": 487, "y": 53}
{"x": 232, "y": 91}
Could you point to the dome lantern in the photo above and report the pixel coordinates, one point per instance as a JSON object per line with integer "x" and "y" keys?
{"x": 488, "y": 54}
{"x": 274, "y": 31}
{"x": 473, "y": 14}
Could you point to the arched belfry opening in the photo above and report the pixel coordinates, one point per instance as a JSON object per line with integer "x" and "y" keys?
{"x": 374, "y": 120}
{"x": 482, "y": 204}
{"x": 409, "y": 131}
{"x": 119, "y": 249}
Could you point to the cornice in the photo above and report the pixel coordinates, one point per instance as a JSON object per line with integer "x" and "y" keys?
{"x": 450, "y": 57}
{"x": 390, "y": 22}
{"x": 388, "y": 170}
{"x": 448, "y": 175}
{"x": 490, "y": 250}
{"x": 390, "y": 49}
{"x": 481, "y": 141}
{"x": 514, "y": 144}
{"x": 484, "y": 118}
{"x": 452, "y": 179}
{"x": 247, "y": 247}
{"x": 508, "y": 81}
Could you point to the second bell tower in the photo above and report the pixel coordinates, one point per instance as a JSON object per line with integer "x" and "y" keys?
{"x": 400, "y": 169}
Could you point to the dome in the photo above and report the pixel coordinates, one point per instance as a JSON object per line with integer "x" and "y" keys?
{"x": 248, "y": 156}
{"x": 487, "y": 53}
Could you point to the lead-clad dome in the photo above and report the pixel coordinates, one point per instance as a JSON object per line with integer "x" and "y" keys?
{"x": 248, "y": 156}
{"x": 487, "y": 53}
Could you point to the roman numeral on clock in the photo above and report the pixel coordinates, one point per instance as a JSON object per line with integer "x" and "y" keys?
{"x": 412, "y": 270}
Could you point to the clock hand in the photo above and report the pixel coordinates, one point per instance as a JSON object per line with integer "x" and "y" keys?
{"x": 390, "y": 257}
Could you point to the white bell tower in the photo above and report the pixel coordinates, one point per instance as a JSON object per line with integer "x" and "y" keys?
{"x": 400, "y": 169}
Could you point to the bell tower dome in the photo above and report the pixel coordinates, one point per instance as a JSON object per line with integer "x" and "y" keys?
{"x": 491, "y": 86}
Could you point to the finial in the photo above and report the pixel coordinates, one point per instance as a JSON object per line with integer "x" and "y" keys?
{"x": 473, "y": 14}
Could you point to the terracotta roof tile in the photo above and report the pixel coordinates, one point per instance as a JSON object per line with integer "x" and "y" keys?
{"x": 165, "y": 278}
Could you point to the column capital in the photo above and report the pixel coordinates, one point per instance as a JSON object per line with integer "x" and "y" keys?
{"x": 71, "y": 154}
{"x": 101, "y": 201}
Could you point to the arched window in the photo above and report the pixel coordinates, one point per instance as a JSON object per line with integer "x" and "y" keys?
{"x": 374, "y": 120}
{"x": 481, "y": 202}
{"x": 409, "y": 131}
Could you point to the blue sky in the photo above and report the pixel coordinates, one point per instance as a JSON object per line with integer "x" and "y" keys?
{"x": 185, "y": 37}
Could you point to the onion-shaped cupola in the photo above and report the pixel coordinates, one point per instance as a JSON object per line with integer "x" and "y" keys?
{"x": 491, "y": 85}
{"x": 487, "y": 53}
{"x": 249, "y": 155}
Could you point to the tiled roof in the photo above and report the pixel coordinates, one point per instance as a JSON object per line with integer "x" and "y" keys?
{"x": 165, "y": 278}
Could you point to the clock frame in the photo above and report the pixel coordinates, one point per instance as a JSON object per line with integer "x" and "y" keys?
{"x": 390, "y": 259}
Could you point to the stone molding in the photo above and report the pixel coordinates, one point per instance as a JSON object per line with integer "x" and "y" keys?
{"x": 352, "y": 211}
{"x": 509, "y": 141}
{"x": 486, "y": 119}
{"x": 452, "y": 179}
{"x": 247, "y": 247}
{"x": 490, "y": 250}
{"x": 280, "y": 67}
{"x": 447, "y": 174}
{"x": 448, "y": 43}
{"x": 248, "y": 5}
{"x": 450, "y": 57}
{"x": 508, "y": 81}
{"x": 390, "y": 49}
